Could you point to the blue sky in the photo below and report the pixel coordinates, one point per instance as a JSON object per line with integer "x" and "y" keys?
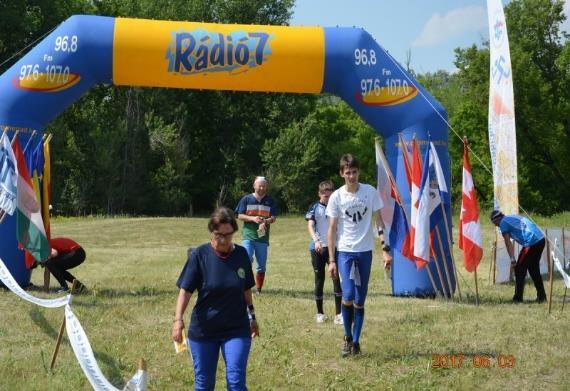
{"x": 429, "y": 29}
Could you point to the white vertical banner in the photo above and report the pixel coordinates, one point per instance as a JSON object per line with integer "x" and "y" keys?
{"x": 502, "y": 132}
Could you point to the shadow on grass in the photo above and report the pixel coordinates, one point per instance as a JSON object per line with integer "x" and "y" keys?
{"x": 143, "y": 291}
{"x": 305, "y": 294}
{"x": 111, "y": 370}
{"x": 40, "y": 321}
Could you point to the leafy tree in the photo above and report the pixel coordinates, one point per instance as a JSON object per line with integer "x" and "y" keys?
{"x": 308, "y": 152}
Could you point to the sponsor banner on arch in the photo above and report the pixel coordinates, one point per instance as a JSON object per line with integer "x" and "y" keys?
{"x": 221, "y": 57}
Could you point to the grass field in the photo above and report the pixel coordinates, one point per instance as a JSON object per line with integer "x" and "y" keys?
{"x": 131, "y": 269}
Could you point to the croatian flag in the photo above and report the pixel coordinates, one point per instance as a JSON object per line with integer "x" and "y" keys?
{"x": 420, "y": 248}
{"x": 397, "y": 230}
{"x": 436, "y": 186}
{"x": 470, "y": 240}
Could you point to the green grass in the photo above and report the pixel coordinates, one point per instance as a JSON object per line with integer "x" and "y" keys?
{"x": 131, "y": 269}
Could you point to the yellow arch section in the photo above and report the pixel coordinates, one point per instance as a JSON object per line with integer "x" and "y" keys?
{"x": 279, "y": 58}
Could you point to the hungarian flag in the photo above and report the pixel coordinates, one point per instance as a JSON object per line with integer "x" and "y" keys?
{"x": 419, "y": 242}
{"x": 469, "y": 226}
{"x": 29, "y": 225}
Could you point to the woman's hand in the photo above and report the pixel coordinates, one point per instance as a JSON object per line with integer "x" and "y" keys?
{"x": 254, "y": 328}
{"x": 177, "y": 330}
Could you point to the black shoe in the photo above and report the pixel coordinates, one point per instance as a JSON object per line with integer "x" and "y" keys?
{"x": 517, "y": 300}
{"x": 356, "y": 348}
{"x": 541, "y": 299}
{"x": 347, "y": 347}
{"x": 63, "y": 289}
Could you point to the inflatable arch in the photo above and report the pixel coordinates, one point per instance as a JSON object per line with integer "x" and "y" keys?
{"x": 87, "y": 50}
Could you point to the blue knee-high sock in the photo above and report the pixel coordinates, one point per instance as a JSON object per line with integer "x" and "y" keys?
{"x": 347, "y": 317}
{"x": 358, "y": 321}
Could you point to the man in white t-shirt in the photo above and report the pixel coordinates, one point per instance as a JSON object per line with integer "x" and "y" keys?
{"x": 350, "y": 209}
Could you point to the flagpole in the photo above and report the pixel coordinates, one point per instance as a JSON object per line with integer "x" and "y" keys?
{"x": 450, "y": 244}
{"x": 61, "y": 330}
{"x": 432, "y": 280}
{"x": 438, "y": 269}
{"x": 29, "y": 141}
{"x": 476, "y": 287}
{"x": 446, "y": 270}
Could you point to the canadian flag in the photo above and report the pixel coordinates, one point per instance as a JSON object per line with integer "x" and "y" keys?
{"x": 419, "y": 241}
{"x": 469, "y": 225}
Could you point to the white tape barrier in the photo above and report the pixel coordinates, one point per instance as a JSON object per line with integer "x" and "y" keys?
{"x": 558, "y": 264}
{"x": 11, "y": 284}
{"x": 84, "y": 353}
{"x": 138, "y": 382}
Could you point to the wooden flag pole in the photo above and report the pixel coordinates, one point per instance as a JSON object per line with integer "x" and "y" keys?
{"x": 61, "y": 330}
{"x": 432, "y": 280}
{"x": 450, "y": 244}
{"x": 57, "y": 343}
{"x": 445, "y": 268}
{"x": 564, "y": 299}
{"x": 476, "y": 288}
{"x": 438, "y": 269}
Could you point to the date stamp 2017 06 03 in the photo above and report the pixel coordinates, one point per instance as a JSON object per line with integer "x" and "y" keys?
{"x": 459, "y": 360}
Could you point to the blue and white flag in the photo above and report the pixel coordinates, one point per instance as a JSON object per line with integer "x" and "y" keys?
{"x": 8, "y": 176}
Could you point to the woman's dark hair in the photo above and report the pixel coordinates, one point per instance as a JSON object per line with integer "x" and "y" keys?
{"x": 222, "y": 215}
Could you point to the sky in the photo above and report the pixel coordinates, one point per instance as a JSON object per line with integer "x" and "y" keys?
{"x": 428, "y": 29}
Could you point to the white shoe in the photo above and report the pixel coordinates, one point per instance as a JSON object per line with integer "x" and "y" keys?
{"x": 338, "y": 319}
{"x": 320, "y": 318}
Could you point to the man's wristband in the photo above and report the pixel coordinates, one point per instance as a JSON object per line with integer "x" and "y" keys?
{"x": 386, "y": 248}
{"x": 178, "y": 320}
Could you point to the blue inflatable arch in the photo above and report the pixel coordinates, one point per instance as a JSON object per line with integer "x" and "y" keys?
{"x": 347, "y": 62}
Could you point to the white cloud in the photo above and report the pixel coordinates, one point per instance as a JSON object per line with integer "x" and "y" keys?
{"x": 440, "y": 28}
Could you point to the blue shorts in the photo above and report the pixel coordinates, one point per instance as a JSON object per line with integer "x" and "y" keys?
{"x": 354, "y": 271}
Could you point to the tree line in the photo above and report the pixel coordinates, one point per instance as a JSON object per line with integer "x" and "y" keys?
{"x": 145, "y": 151}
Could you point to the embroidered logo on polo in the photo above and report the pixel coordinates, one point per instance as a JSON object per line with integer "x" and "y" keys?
{"x": 241, "y": 273}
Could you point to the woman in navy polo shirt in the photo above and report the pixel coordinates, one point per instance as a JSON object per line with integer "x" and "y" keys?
{"x": 223, "y": 317}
